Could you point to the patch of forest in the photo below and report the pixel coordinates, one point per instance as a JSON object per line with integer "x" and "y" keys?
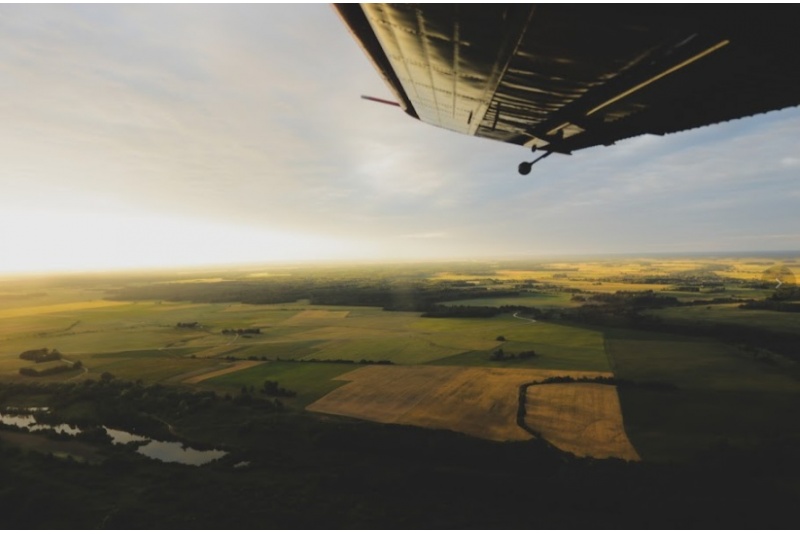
{"x": 626, "y": 310}
{"x": 43, "y": 355}
{"x": 420, "y": 295}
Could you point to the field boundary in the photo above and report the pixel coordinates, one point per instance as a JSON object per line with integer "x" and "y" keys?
{"x": 238, "y": 366}
{"x": 623, "y": 449}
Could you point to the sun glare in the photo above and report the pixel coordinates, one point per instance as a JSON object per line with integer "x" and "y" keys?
{"x": 47, "y": 241}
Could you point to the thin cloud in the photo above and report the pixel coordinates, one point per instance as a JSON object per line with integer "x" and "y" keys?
{"x": 426, "y": 235}
{"x": 790, "y": 162}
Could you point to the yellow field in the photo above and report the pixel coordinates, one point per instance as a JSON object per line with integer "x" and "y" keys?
{"x": 481, "y": 402}
{"x": 584, "y": 274}
{"x": 307, "y": 316}
{"x": 584, "y": 419}
{"x": 238, "y": 366}
{"x": 57, "y": 308}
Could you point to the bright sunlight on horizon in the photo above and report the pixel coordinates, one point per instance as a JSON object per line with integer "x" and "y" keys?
{"x": 69, "y": 242}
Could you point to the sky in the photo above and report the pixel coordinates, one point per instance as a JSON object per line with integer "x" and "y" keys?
{"x": 175, "y": 135}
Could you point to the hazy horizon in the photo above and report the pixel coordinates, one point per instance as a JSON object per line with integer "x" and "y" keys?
{"x": 171, "y": 136}
{"x": 279, "y": 265}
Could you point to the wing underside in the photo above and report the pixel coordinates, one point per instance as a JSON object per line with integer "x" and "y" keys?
{"x": 567, "y": 77}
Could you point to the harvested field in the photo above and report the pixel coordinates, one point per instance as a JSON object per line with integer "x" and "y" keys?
{"x": 58, "y": 308}
{"x": 584, "y": 419}
{"x": 213, "y": 374}
{"x": 481, "y": 402}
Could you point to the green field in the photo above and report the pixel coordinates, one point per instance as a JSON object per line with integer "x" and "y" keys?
{"x": 732, "y": 314}
{"x": 311, "y": 381}
{"x": 557, "y": 346}
{"x": 140, "y": 340}
{"x": 722, "y": 395}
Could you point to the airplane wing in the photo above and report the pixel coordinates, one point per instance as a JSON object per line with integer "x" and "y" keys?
{"x": 566, "y": 77}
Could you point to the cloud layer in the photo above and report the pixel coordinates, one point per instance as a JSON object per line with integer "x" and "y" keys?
{"x": 249, "y": 117}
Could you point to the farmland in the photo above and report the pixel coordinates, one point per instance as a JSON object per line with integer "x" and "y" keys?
{"x": 475, "y": 401}
{"x": 208, "y": 342}
{"x": 692, "y": 359}
{"x": 585, "y": 419}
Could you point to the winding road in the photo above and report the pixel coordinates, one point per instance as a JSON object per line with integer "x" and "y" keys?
{"x": 516, "y": 314}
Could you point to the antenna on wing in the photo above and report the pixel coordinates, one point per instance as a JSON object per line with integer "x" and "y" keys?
{"x": 380, "y": 100}
{"x": 525, "y": 167}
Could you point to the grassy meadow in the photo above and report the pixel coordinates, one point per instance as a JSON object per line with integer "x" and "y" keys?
{"x": 141, "y": 340}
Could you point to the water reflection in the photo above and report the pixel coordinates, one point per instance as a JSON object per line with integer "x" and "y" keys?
{"x": 166, "y": 451}
{"x": 28, "y": 422}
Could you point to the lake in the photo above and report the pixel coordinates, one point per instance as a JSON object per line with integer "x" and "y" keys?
{"x": 165, "y": 451}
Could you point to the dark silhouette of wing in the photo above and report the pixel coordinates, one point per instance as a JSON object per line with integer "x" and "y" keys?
{"x": 566, "y": 77}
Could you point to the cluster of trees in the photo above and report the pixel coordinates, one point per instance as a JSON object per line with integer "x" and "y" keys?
{"x": 500, "y": 355}
{"x": 362, "y": 361}
{"x": 44, "y": 355}
{"x": 272, "y": 388}
{"x": 772, "y": 305}
{"x": 247, "y": 291}
{"x": 193, "y": 324}
{"x": 41, "y": 355}
{"x": 240, "y": 331}
{"x": 46, "y": 371}
{"x": 462, "y": 311}
{"x": 634, "y": 299}
{"x": 388, "y": 293}
{"x": 459, "y": 311}
{"x": 420, "y": 296}
{"x": 624, "y": 309}
{"x": 606, "y": 380}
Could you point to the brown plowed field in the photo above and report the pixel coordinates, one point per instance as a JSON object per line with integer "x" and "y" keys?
{"x": 584, "y": 419}
{"x": 478, "y": 401}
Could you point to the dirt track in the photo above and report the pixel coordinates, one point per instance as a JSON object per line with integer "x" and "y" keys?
{"x": 212, "y": 374}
